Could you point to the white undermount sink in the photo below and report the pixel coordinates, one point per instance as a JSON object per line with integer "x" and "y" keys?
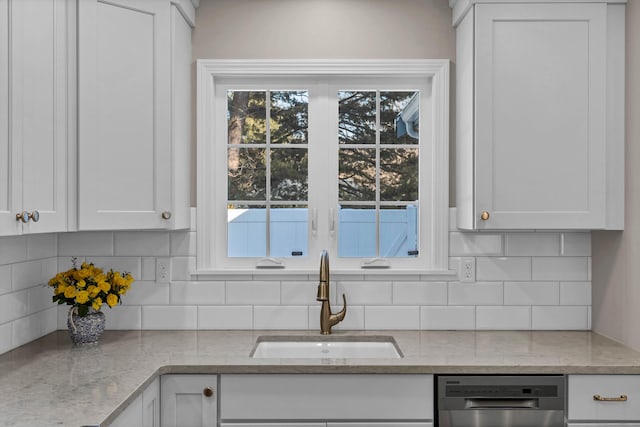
{"x": 334, "y": 347}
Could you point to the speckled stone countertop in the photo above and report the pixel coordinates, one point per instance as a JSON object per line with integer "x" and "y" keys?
{"x": 50, "y": 382}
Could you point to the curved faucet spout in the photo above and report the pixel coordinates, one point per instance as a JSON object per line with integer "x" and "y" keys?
{"x": 327, "y": 319}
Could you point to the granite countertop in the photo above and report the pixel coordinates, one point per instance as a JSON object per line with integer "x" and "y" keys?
{"x": 50, "y": 382}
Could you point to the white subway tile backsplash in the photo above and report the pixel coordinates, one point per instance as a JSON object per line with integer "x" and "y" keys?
{"x": 5, "y": 279}
{"x": 575, "y": 293}
{"x": 42, "y": 246}
{"x": 182, "y": 268}
{"x": 560, "y": 318}
{"x": 148, "y": 268}
{"x": 531, "y": 293}
{"x": 32, "y": 327}
{"x": 121, "y": 317}
{"x": 26, "y": 274}
{"x": 448, "y": 318}
{"x": 560, "y": 268}
{"x": 50, "y": 324}
{"x": 147, "y": 293}
{"x": 49, "y": 269}
{"x": 420, "y": 293}
{"x": 13, "y": 249}
{"x": 252, "y": 293}
{"x": 197, "y": 293}
{"x": 365, "y": 293}
{"x": 503, "y": 318}
{"x": 471, "y": 244}
{"x": 14, "y": 305}
{"x": 475, "y": 293}
{"x": 503, "y": 268}
{"x": 170, "y": 317}
{"x": 524, "y": 280}
{"x": 392, "y": 317}
{"x": 141, "y": 243}
{"x": 576, "y": 244}
{"x": 281, "y": 317}
{"x": 225, "y": 317}
{"x": 85, "y": 243}
{"x": 183, "y": 243}
{"x": 532, "y": 244}
{"x": 5, "y": 338}
{"x": 39, "y": 298}
{"x": 26, "y": 329}
{"x": 302, "y": 293}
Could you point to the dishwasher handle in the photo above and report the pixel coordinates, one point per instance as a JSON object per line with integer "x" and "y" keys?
{"x": 492, "y": 403}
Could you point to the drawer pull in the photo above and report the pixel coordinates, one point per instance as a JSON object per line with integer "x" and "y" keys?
{"x": 622, "y": 398}
{"x": 208, "y": 391}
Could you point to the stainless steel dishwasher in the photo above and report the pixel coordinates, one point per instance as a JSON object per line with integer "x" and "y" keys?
{"x": 501, "y": 401}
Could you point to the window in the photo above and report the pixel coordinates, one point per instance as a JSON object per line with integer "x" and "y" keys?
{"x": 296, "y": 157}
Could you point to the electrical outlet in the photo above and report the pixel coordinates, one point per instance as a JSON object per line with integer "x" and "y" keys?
{"x": 163, "y": 270}
{"x": 468, "y": 270}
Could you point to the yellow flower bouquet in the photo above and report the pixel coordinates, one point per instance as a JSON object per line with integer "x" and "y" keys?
{"x": 89, "y": 287}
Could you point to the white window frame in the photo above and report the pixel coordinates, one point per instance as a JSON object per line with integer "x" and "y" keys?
{"x": 434, "y": 155}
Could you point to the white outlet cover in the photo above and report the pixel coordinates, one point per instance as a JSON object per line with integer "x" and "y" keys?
{"x": 163, "y": 270}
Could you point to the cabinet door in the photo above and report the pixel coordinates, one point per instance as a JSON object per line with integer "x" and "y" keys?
{"x": 186, "y": 401}
{"x": 599, "y": 424}
{"x": 124, "y": 113}
{"x": 540, "y": 115}
{"x": 34, "y": 89}
{"x": 131, "y": 416}
{"x": 273, "y": 425}
{"x": 151, "y": 405}
{"x": 368, "y": 424}
{"x": 8, "y": 208}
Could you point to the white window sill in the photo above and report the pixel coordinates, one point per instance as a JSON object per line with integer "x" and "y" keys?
{"x": 308, "y": 275}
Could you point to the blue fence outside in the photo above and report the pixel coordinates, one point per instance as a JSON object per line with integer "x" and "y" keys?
{"x": 289, "y": 232}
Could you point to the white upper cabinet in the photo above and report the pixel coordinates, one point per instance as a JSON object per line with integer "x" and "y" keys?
{"x": 540, "y": 115}
{"x": 37, "y": 115}
{"x": 134, "y": 114}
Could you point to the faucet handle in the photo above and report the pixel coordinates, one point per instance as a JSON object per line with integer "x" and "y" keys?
{"x": 323, "y": 292}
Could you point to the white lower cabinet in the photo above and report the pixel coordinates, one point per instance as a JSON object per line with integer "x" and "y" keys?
{"x": 603, "y": 425}
{"x": 189, "y": 401}
{"x": 355, "y": 400}
{"x": 602, "y": 400}
{"x": 369, "y": 424}
{"x": 144, "y": 411}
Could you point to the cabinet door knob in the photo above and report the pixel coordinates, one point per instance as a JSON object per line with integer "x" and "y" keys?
{"x": 23, "y": 216}
{"x": 484, "y": 215}
{"x": 208, "y": 391}
{"x": 166, "y": 215}
{"x": 34, "y": 216}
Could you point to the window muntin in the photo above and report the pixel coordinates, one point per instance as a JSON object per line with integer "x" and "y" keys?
{"x": 267, "y": 163}
{"x": 216, "y": 76}
{"x": 378, "y": 173}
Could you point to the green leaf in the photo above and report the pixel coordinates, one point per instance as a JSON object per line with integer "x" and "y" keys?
{"x": 82, "y": 310}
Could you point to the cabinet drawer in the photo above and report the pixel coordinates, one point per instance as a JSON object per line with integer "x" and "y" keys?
{"x": 326, "y": 397}
{"x": 583, "y": 406}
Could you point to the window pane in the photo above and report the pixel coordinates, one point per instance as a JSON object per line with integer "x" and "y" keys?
{"x": 289, "y": 117}
{"x": 399, "y": 180}
{"x": 247, "y": 117}
{"x": 399, "y": 231}
{"x": 246, "y": 231}
{"x": 357, "y": 117}
{"x": 246, "y": 174}
{"x": 357, "y": 231}
{"x": 289, "y": 231}
{"x": 289, "y": 171}
{"x": 357, "y": 174}
{"x": 399, "y": 117}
